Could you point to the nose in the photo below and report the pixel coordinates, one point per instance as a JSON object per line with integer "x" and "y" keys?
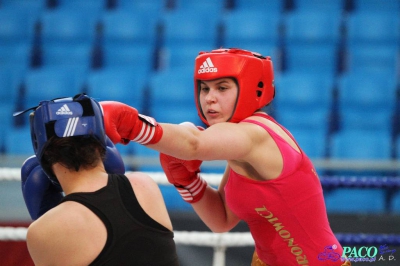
{"x": 210, "y": 97}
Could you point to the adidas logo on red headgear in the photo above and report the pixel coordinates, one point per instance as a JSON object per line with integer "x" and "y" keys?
{"x": 207, "y": 67}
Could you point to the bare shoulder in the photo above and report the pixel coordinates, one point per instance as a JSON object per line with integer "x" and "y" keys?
{"x": 145, "y": 188}
{"x": 149, "y": 197}
{"x": 59, "y": 233}
{"x": 47, "y": 235}
{"x": 47, "y": 225}
{"x": 142, "y": 181}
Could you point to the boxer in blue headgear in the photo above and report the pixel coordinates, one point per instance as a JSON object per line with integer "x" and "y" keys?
{"x": 59, "y": 118}
{"x": 104, "y": 211}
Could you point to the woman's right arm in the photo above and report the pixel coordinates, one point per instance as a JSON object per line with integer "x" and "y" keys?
{"x": 213, "y": 210}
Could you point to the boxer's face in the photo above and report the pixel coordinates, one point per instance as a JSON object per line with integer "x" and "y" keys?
{"x": 218, "y": 99}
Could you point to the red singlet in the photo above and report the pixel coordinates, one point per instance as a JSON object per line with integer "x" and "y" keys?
{"x": 287, "y": 215}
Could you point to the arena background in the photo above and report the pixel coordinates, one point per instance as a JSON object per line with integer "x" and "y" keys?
{"x": 336, "y": 74}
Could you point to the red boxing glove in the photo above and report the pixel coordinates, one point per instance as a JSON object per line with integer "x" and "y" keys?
{"x": 123, "y": 124}
{"x": 185, "y": 176}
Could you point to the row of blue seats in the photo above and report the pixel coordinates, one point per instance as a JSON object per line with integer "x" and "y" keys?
{"x": 278, "y": 5}
{"x": 310, "y": 41}
{"x": 304, "y": 104}
{"x": 310, "y": 25}
{"x": 361, "y": 100}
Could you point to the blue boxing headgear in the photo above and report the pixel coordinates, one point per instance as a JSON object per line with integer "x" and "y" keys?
{"x": 66, "y": 117}
{"x": 80, "y": 115}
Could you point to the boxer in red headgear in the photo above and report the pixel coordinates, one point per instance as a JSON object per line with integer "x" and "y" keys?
{"x": 269, "y": 182}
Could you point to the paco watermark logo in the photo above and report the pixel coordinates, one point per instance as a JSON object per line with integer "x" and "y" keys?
{"x": 358, "y": 254}
{"x": 329, "y": 254}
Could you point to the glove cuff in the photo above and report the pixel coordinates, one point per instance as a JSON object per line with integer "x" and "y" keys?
{"x": 147, "y": 132}
{"x": 194, "y": 191}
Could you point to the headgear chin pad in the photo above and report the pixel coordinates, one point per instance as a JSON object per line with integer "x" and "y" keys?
{"x": 66, "y": 117}
{"x": 253, "y": 73}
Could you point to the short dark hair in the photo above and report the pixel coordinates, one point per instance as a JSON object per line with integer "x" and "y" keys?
{"x": 74, "y": 153}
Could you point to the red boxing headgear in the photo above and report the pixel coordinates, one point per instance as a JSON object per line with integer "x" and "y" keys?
{"x": 253, "y": 73}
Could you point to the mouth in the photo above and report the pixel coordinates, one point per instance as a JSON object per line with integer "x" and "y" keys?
{"x": 212, "y": 112}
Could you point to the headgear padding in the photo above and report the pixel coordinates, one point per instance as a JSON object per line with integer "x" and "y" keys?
{"x": 66, "y": 117}
{"x": 253, "y": 73}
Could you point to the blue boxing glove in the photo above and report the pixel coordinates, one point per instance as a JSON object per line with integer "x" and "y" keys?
{"x": 113, "y": 162}
{"x": 41, "y": 194}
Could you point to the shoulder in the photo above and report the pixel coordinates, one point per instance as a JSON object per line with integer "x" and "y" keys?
{"x": 149, "y": 197}
{"x": 55, "y": 223}
{"x": 60, "y": 232}
{"x": 141, "y": 181}
{"x": 144, "y": 186}
{"x": 48, "y": 234}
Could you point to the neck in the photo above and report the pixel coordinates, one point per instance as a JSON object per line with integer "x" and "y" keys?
{"x": 84, "y": 180}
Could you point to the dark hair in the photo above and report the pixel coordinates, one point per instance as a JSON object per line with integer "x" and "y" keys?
{"x": 74, "y": 153}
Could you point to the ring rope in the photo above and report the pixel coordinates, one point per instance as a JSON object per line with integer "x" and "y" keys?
{"x": 232, "y": 239}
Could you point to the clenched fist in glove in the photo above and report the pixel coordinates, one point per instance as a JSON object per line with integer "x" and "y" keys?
{"x": 185, "y": 176}
{"x": 40, "y": 194}
{"x": 123, "y": 124}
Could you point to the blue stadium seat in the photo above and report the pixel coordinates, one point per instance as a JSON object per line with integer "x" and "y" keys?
{"x": 396, "y": 203}
{"x": 68, "y": 26}
{"x": 318, "y": 5}
{"x": 16, "y": 26}
{"x": 181, "y": 57}
{"x": 150, "y": 7}
{"x": 177, "y": 29}
{"x": 260, "y": 5}
{"x": 32, "y": 6}
{"x": 47, "y": 83}
{"x": 249, "y": 27}
{"x": 10, "y": 82}
{"x": 377, "y": 5}
{"x": 6, "y": 120}
{"x": 312, "y": 141}
{"x": 18, "y": 141}
{"x": 361, "y": 145}
{"x": 212, "y": 6}
{"x": 118, "y": 84}
{"x": 15, "y": 55}
{"x": 373, "y": 58}
{"x": 79, "y": 55}
{"x": 172, "y": 98}
{"x": 311, "y": 41}
{"x": 355, "y": 200}
{"x": 128, "y": 27}
{"x": 87, "y": 5}
{"x": 366, "y": 101}
{"x": 397, "y": 151}
{"x": 305, "y": 58}
{"x": 313, "y": 28}
{"x": 373, "y": 28}
{"x": 140, "y": 56}
{"x": 303, "y": 101}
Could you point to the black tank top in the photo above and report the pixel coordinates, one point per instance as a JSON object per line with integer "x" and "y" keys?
{"x": 133, "y": 237}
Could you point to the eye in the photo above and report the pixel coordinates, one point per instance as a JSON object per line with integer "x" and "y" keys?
{"x": 204, "y": 89}
{"x": 222, "y": 88}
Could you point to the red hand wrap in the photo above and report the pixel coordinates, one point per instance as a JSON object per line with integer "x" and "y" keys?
{"x": 185, "y": 176}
